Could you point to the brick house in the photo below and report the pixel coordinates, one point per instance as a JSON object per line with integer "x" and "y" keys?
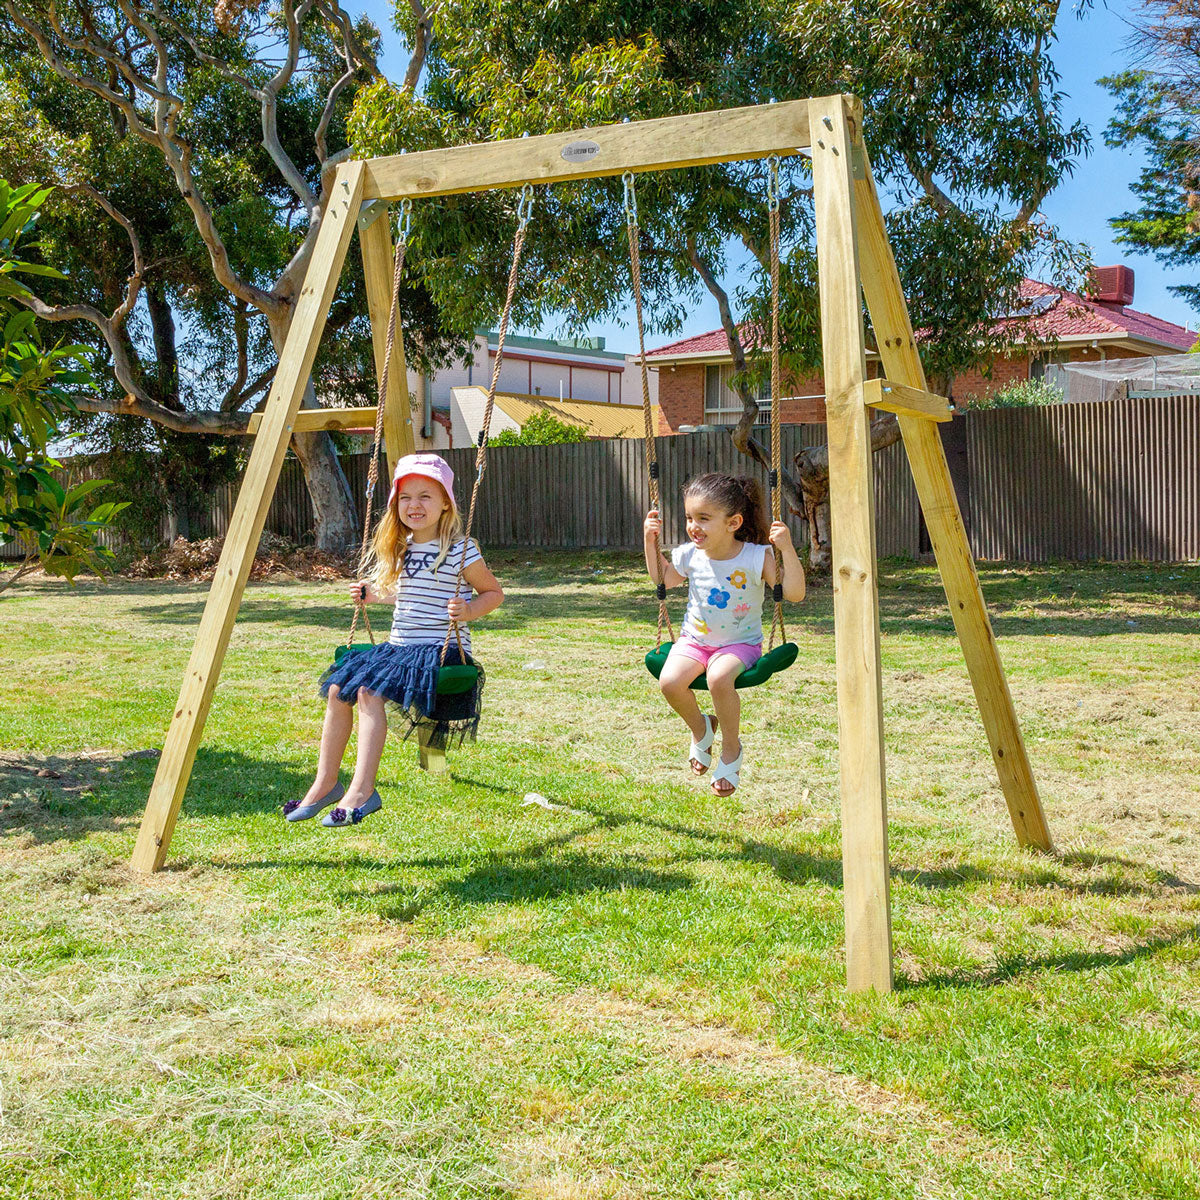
{"x": 1059, "y": 327}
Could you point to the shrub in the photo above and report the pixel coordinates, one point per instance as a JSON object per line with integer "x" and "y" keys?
{"x": 541, "y": 429}
{"x": 1027, "y": 393}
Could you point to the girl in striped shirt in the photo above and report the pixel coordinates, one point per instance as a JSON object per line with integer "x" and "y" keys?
{"x": 417, "y": 553}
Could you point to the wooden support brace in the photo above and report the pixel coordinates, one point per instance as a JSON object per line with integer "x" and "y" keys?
{"x": 375, "y": 240}
{"x": 866, "y": 888}
{"x": 249, "y": 515}
{"x": 939, "y": 504}
{"x": 906, "y": 401}
{"x": 311, "y": 420}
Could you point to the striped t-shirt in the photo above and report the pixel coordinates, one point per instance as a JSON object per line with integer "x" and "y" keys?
{"x": 420, "y": 616}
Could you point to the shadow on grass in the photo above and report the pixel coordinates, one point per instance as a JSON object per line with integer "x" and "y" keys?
{"x": 67, "y": 797}
{"x": 1012, "y": 967}
{"x": 910, "y": 604}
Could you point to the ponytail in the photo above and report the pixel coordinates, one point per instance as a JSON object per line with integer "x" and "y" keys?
{"x": 740, "y": 494}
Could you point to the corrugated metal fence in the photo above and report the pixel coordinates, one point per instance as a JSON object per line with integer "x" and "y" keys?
{"x": 1117, "y": 481}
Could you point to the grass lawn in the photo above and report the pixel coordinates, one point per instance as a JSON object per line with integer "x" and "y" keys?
{"x": 638, "y": 993}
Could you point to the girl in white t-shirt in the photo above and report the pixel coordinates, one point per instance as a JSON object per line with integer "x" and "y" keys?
{"x": 417, "y": 553}
{"x": 727, "y": 564}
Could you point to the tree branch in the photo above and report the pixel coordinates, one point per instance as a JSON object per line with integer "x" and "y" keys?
{"x": 420, "y": 45}
{"x": 269, "y": 96}
{"x": 225, "y": 423}
{"x": 740, "y": 434}
{"x": 163, "y": 135}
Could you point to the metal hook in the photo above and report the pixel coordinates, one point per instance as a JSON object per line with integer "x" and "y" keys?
{"x": 405, "y": 219}
{"x": 525, "y": 205}
{"x": 631, "y": 210}
{"x": 773, "y": 183}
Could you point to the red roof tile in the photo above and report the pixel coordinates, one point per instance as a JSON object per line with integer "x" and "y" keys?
{"x": 704, "y": 343}
{"x": 1069, "y": 316}
{"x": 1075, "y": 316}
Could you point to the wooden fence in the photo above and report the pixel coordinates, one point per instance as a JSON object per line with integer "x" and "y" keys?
{"x": 1117, "y": 481}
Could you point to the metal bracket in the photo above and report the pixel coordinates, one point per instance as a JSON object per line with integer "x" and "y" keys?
{"x": 858, "y": 161}
{"x": 370, "y": 212}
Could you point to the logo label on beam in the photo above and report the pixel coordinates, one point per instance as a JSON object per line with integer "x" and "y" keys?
{"x": 580, "y": 151}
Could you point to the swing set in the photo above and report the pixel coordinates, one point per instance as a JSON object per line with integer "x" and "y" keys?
{"x": 854, "y": 260}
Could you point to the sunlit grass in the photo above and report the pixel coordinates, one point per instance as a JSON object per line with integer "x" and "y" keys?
{"x": 638, "y": 993}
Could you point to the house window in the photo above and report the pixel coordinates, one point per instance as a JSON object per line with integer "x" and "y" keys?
{"x": 722, "y": 405}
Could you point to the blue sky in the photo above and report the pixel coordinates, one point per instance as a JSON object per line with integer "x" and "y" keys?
{"x": 1087, "y": 49}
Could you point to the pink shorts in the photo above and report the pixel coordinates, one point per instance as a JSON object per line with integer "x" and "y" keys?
{"x": 688, "y": 647}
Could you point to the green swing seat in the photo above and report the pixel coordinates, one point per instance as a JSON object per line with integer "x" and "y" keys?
{"x": 775, "y": 660}
{"x": 453, "y": 680}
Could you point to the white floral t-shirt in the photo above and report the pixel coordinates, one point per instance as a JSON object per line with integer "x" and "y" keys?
{"x": 725, "y": 596}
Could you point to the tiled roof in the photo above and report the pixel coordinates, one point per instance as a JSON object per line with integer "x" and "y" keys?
{"x": 704, "y": 343}
{"x": 1068, "y": 316}
{"x": 1074, "y": 316}
{"x": 598, "y": 418}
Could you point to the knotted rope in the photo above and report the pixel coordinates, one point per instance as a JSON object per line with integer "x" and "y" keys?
{"x": 635, "y": 274}
{"x": 360, "y": 607}
{"x": 524, "y": 213}
{"x": 776, "y": 440}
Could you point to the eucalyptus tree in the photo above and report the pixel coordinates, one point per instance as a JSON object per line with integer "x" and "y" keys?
{"x": 1159, "y": 114}
{"x": 196, "y": 152}
{"x": 963, "y": 120}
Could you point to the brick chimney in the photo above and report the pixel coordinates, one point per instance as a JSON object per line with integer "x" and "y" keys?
{"x": 1112, "y": 286}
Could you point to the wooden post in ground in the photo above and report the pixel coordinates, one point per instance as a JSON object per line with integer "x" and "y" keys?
{"x": 939, "y": 504}
{"x": 375, "y": 241}
{"x": 865, "y": 870}
{"x": 249, "y": 515}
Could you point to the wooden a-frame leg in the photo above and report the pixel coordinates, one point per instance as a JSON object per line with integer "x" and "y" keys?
{"x": 931, "y": 474}
{"x": 865, "y": 868}
{"x": 249, "y": 515}
{"x": 375, "y": 241}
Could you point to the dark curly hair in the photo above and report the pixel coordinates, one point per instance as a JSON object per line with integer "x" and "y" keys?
{"x": 734, "y": 494}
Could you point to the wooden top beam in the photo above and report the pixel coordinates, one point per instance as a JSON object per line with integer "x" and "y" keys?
{"x": 907, "y": 401}
{"x": 311, "y": 420}
{"x": 696, "y": 139}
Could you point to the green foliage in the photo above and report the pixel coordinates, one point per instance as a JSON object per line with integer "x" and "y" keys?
{"x": 1160, "y": 118}
{"x": 1025, "y": 393}
{"x": 962, "y": 190}
{"x": 541, "y": 429}
{"x": 35, "y": 386}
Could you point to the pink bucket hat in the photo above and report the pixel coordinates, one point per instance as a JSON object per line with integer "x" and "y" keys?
{"x": 430, "y": 466}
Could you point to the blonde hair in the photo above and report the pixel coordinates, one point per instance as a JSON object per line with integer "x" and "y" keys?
{"x": 385, "y": 562}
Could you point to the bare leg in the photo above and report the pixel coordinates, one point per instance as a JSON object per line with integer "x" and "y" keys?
{"x": 675, "y": 680}
{"x": 335, "y": 736}
{"x": 723, "y": 670}
{"x": 372, "y": 734}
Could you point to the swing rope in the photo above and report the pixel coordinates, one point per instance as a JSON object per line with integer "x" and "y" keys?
{"x": 360, "y": 608}
{"x": 776, "y": 439}
{"x": 778, "y": 657}
{"x": 635, "y": 273}
{"x": 524, "y": 213}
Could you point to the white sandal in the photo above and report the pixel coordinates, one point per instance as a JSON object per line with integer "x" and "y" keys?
{"x": 701, "y": 751}
{"x": 728, "y": 773}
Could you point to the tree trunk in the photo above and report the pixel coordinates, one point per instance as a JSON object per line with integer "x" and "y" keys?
{"x": 812, "y": 466}
{"x": 334, "y": 516}
{"x": 162, "y": 325}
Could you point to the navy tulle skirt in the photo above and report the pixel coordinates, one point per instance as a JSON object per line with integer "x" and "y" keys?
{"x": 406, "y": 677}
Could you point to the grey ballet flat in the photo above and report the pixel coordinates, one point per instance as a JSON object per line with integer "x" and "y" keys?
{"x": 297, "y": 810}
{"x": 343, "y": 818}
